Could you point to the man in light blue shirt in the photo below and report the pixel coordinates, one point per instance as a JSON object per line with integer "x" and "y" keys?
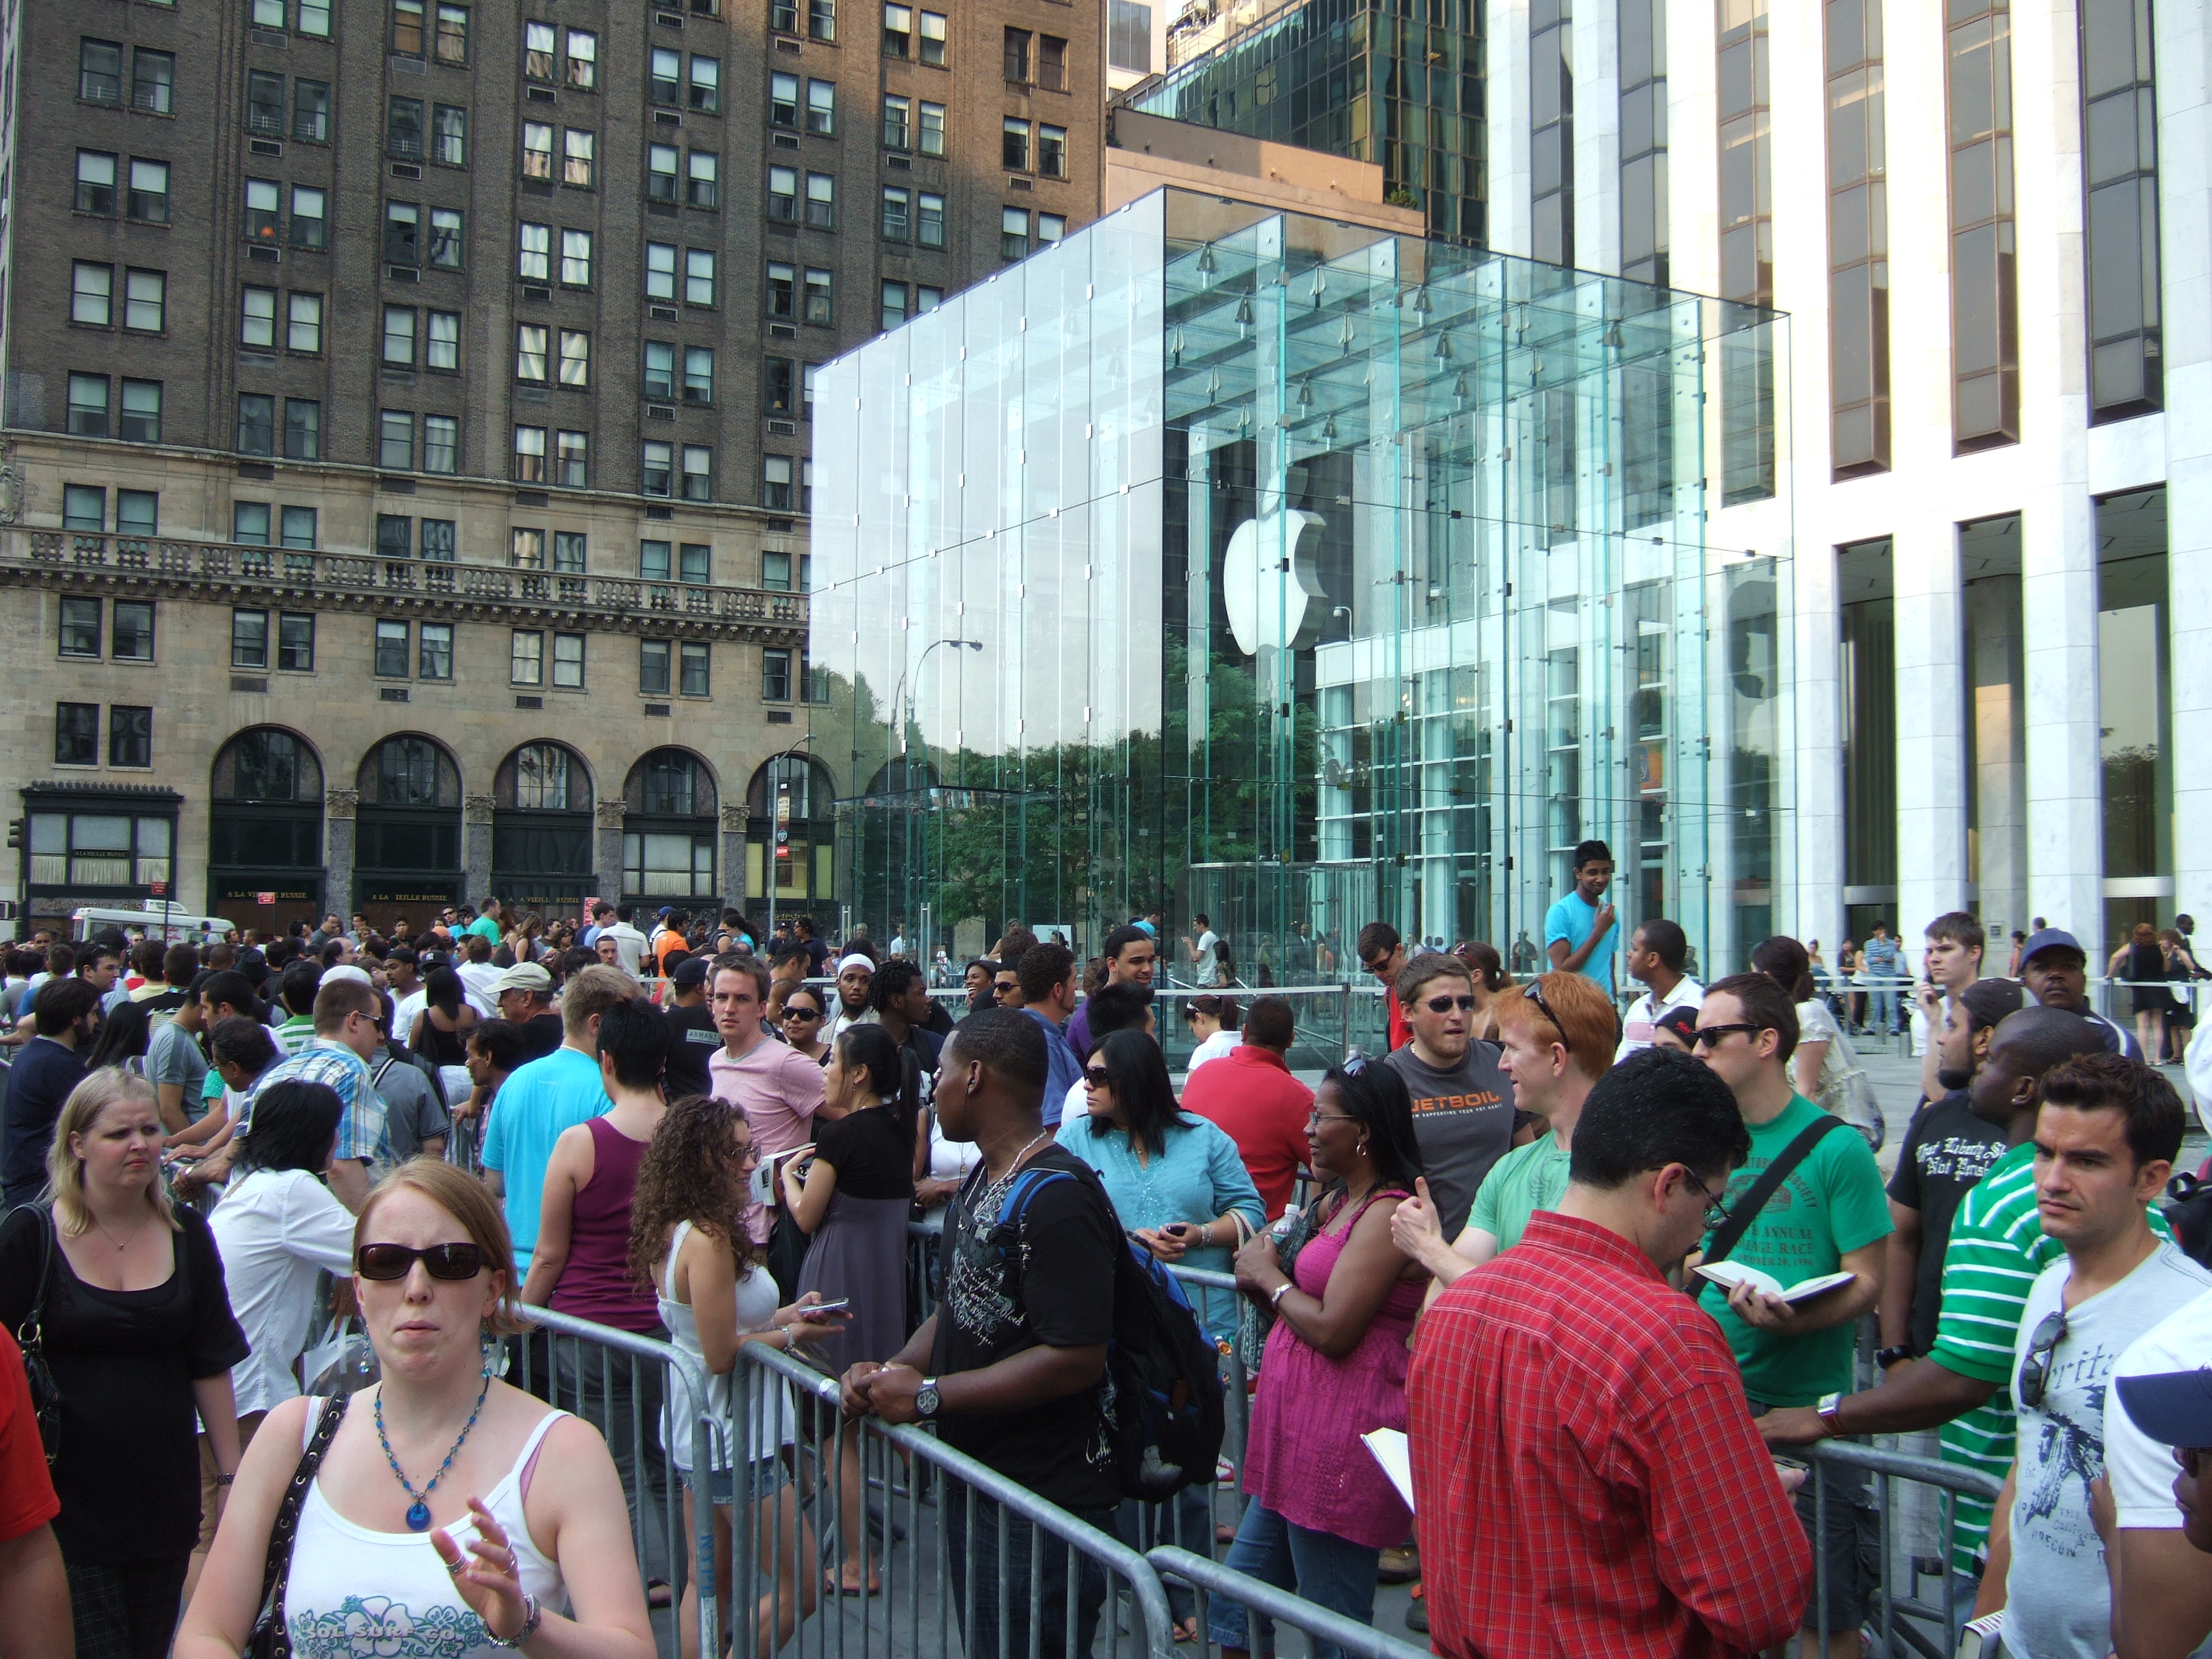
{"x": 1579, "y": 930}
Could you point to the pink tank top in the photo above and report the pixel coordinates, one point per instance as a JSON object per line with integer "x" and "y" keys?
{"x": 595, "y": 1283}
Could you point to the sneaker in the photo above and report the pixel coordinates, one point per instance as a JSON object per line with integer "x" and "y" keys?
{"x": 1417, "y": 1615}
{"x": 1225, "y": 1471}
{"x": 1398, "y": 1566}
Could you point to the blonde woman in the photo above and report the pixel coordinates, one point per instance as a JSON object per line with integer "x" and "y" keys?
{"x": 135, "y": 1325}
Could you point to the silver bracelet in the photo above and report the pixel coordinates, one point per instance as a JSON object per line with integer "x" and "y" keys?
{"x": 532, "y": 1616}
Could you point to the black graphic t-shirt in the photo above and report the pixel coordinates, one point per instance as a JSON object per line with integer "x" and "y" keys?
{"x": 1946, "y": 1152}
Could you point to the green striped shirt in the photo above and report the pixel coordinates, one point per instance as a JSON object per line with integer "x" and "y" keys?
{"x": 1997, "y": 1248}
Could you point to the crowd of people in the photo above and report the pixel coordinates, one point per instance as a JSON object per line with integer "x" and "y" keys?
{"x": 1606, "y": 1270}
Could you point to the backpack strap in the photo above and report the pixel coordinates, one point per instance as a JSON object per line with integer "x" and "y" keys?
{"x": 1745, "y": 1210}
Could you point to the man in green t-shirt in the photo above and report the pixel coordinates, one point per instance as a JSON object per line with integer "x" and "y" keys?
{"x": 1559, "y": 1035}
{"x": 1829, "y": 1215}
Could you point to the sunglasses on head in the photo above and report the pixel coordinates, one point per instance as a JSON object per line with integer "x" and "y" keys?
{"x": 389, "y": 1262}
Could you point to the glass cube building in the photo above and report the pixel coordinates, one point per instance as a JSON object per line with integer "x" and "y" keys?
{"x": 1221, "y": 560}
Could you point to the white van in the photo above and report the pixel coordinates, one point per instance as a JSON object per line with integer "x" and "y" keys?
{"x": 160, "y": 920}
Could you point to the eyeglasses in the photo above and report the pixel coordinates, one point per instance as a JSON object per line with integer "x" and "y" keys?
{"x": 1317, "y": 1119}
{"x": 1445, "y": 1005}
{"x": 1709, "y": 1036}
{"x": 2042, "y": 1350}
{"x": 389, "y": 1262}
{"x": 1096, "y": 1076}
{"x": 1717, "y": 1211}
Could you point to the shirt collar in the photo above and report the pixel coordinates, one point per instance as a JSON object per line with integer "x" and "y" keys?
{"x": 1253, "y": 1054}
{"x": 1572, "y": 1235}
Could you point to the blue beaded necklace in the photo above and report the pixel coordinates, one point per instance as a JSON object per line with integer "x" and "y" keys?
{"x": 418, "y": 1512}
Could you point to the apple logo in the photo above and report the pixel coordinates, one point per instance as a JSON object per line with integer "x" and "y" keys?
{"x": 1269, "y": 578}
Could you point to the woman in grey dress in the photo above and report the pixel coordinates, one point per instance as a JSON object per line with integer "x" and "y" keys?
{"x": 853, "y": 1201}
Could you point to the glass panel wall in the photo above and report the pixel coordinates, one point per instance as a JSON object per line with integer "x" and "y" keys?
{"x": 2134, "y": 709}
{"x": 1866, "y": 591}
{"x": 1227, "y": 562}
{"x": 1997, "y": 725}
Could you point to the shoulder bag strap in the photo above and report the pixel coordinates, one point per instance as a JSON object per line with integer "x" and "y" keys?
{"x": 271, "y": 1639}
{"x": 1745, "y": 1210}
{"x": 42, "y": 1216}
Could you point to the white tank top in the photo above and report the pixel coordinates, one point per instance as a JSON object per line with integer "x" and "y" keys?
{"x": 756, "y": 1305}
{"x": 354, "y": 1592}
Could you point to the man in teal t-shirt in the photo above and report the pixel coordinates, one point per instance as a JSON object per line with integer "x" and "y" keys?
{"x": 1580, "y": 931}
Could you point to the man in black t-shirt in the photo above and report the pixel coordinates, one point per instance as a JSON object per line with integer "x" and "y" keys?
{"x": 1010, "y": 1364}
{"x": 692, "y": 1033}
{"x": 1462, "y": 1099}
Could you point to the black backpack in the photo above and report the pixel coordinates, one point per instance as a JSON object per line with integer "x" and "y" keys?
{"x": 2190, "y": 1215}
{"x": 1161, "y": 1399}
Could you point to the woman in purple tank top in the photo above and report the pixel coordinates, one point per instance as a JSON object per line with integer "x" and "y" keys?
{"x": 1335, "y": 1366}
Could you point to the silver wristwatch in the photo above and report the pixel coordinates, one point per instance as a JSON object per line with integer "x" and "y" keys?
{"x": 924, "y": 1399}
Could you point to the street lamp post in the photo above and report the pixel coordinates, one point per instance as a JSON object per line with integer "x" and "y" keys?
{"x": 776, "y": 829}
{"x": 902, "y": 706}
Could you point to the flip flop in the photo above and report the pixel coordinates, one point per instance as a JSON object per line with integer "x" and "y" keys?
{"x": 835, "y": 1581}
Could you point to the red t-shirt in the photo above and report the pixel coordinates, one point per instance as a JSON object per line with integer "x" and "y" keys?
{"x": 1400, "y": 1032}
{"x": 26, "y": 1494}
{"x": 1250, "y": 1095}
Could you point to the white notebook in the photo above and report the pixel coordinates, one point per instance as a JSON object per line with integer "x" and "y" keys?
{"x": 1729, "y": 1274}
{"x": 1389, "y": 1448}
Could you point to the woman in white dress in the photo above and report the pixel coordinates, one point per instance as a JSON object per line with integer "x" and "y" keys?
{"x": 450, "y": 1515}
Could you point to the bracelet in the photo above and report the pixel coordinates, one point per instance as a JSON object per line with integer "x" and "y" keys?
{"x": 222, "y": 1479}
{"x": 790, "y": 1342}
{"x": 531, "y": 1617}
{"x": 1275, "y": 1297}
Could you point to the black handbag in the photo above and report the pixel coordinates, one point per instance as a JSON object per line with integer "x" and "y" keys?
{"x": 1254, "y": 1319}
{"x": 45, "y": 1393}
{"x": 271, "y": 1639}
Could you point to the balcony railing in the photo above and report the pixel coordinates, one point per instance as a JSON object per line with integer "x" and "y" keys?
{"x": 299, "y": 570}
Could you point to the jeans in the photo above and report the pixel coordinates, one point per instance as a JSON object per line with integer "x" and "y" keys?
{"x": 1185, "y": 1520}
{"x": 1881, "y": 1010}
{"x": 1328, "y": 1570}
{"x": 598, "y": 1387}
{"x": 982, "y": 1633}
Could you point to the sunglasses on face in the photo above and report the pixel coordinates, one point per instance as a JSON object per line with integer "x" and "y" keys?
{"x": 1445, "y": 1005}
{"x": 389, "y": 1262}
{"x": 1376, "y": 965}
{"x": 2042, "y": 1351}
{"x": 1709, "y": 1036}
{"x": 1096, "y": 1078}
{"x": 802, "y": 1013}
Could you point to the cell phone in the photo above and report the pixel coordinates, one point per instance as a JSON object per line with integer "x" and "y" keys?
{"x": 842, "y": 1305}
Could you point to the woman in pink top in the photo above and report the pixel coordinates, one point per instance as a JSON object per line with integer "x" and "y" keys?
{"x": 1335, "y": 1366}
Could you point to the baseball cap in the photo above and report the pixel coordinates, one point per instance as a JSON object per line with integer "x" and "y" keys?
{"x": 523, "y": 977}
{"x": 2172, "y": 1407}
{"x": 2050, "y": 939}
{"x": 689, "y": 973}
{"x": 666, "y": 910}
{"x": 1683, "y": 1021}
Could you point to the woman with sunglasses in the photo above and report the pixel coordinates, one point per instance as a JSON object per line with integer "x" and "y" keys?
{"x": 688, "y": 1239}
{"x": 804, "y": 1019}
{"x": 1334, "y": 1367}
{"x": 1212, "y": 1022}
{"x": 450, "y": 1514}
{"x": 137, "y": 1328}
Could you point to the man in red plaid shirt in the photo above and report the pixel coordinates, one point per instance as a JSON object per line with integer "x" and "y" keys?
{"x": 1586, "y": 1471}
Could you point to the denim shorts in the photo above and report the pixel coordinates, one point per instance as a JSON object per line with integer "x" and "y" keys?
{"x": 764, "y": 1477}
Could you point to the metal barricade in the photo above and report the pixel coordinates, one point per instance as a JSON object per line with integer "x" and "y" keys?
{"x": 1329, "y": 1633}
{"x": 623, "y": 1385}
{"x": 1900, "y": 1620}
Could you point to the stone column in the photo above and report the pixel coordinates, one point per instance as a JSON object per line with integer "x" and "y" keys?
{"x": 734, "y": 818}
{"x": 2065, "y": 759}
{"x": 609, "y": 855}
{"x": 475, "y": 847}
{"x": 338, "y": 808}
{"x": 1931, "y": 730}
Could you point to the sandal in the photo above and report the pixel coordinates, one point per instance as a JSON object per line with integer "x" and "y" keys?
{"x": 658, "y": 1593}
{"x": 835, "y": 1578}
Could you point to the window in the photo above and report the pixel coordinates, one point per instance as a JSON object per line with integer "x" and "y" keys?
{"x": 249, "y": 639}
{"x": 897, "y": 111}
{"x": 264, "y": 104}
{"x": 783, "y": 101}
{"x": 652, "y": 561}
{"x": 898, "y": 214}
{"x": 659, "y": 471}
{"x": 154, "y": 80}
{"x": 526, "y": 548}
{"x": 1644, "y": 234}
{"x": 395, "y": 536}
{"x": 536, "y": 150}
{"x": 445, "y": 348}
{"x": 526, "y": 658}
{"x": 449, "y": 135}
{"x": 783, "y": 195}
{"x": 400, "y": 335}
{"x": 269, "y": 14}
{"x": 702, "y": 169}
{"x": 92, "y": 293}
{"x": 775, "y": 482}
{"x": 653, "y": 667}
{"x": 665, "y": 82}
{"x": 579, "y": 149}
{"x": 1052, "y": 151}
{"x": 530, "y": 454}
{"x": 1050, "y": 227}
{"x": 297, "y": 526}
{"x": 2119, "y": 158}
{"x": 929, "y": 220}
{"x": 572, "y": 460}
{"x": 141, "y": 412}
{"x": 303, "y": 431}
{"x": 821, "y": 201}
{"x": 932, "y": 129}
{"x": 932, "y": 38}
{"x": 84, "y": 507}
{"x": 1013, "y": 232}
{"x": 776, "y": 572}
{"x": 95, "y": 182}
{"x": 402, "y": 128}
{"x": 706, "y": 87}
{"x": 894, "y": 304}
{"x": 660, "y": 173}
{"x": 80, "y": 619}
{"x": 295, "y": 641}
{"x": 575, "y": 358}
{"x": 391, "y": 649}
{"x": 778, "y": 392}
{"x": 453, "y": 45}
{"x": 660, "y": 270}
{"x": 1014, "y": 147}
{"x": 821, "y": 108}
{"x": 1017, "y": 56}
{"x": 138, "y": 512}
{"x": 249, "y": 523}
{"x": 569, "y": 547}
{"x": 776, "y": 675}
{"x": 698, "y": 276}
{"x": 820, "y": 295}
{"x": 692, "y": 658}
{"x": 76, "y": 734}
{"x": 538, "y": 50}
{"x": 303, "y": 322}
{"x": 806, "y": 388}
{"x": 822, "y": 19}
{"x": 442, "y": 452}
{"x": 402, "y": 233}
{"x": 129, "y": 736}
{"x": 783, "y": 296}
{"x": 256, "y": 321}
{"x": 1858, "y": 243}
{"x": 695, "y": 562}
{"x": 1747, "y": 228}
{"x": 148, "y": 200}
{"x": 530, "y": 352}
{"x": 257, "y": 415}
{"x": 783, "y": 17}
{"x": 1052, "y": 63}
{"x": 311, "y": 111}
{"x": 534, "y": 258}
{"x": 100, "y": 71}
{"x": 575, "y": 259}
{"x": 407, "y": 27}
{"x": 88, "y": 405}
{"x": 310, "y": 221}
{"x": 698, "y": 473}
{"x": 132, "y": 640}
{"x": 699, "y": 374}
{"x": 434, "y": 659}
{"x": 445, "y": 239}
{"x": 583, "y": 60}
{"x": 1552, "y": 130}
{"x": 569, "y": 662}
{"x": 315, "y": 18}
{"x": 395, "y": 440}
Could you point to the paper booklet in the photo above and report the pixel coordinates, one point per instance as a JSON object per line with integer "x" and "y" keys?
{"x": 1729, "y": 1274}
{"x": 1389, "y": 1449}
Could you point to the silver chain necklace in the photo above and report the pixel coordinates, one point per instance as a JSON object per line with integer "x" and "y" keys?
{"x": 987, "y": 1201}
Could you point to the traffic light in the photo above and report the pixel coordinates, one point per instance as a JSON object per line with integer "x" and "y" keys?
{"x": 14, "y": 834}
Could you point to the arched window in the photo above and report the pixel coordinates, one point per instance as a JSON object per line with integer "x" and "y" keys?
{"x": 265, "y": 830}
{"x": 671, "y": 782}
{"x": 268, "y": 763}
{"x": 541, "y": 830}
{"x": 407, "y": 831}
{"x": 792, "y": 821}
{"x": 669, "y": 828}
{"x": 543, "y": 777}
{"x": 410, "y": 771}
